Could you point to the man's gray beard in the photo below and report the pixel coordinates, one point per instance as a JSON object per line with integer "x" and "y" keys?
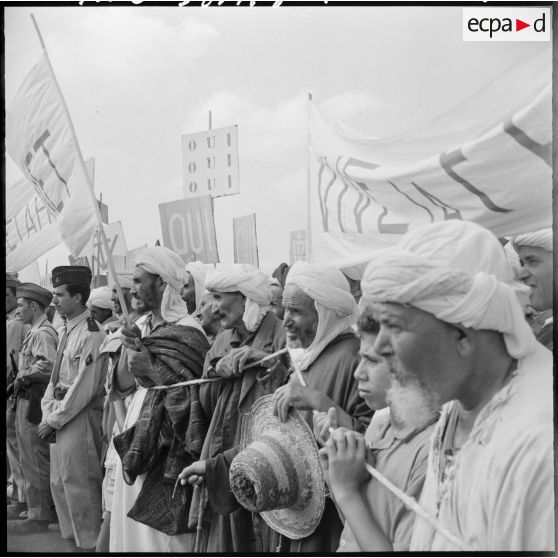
{"x": 411, "y": 403}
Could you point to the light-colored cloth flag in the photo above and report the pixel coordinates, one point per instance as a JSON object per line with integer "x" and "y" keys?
{"x": 40, "y": 139}
{"x": 487, "y": 160}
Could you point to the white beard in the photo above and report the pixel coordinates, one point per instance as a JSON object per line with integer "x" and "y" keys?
{"x": 411, "y": 404}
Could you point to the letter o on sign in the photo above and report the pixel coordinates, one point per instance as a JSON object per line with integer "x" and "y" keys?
{"x": 192, "y": 167}
{"x": 193, "y": 186}
{"x": 177, "y": 234}
{"x": 192, "y": 145}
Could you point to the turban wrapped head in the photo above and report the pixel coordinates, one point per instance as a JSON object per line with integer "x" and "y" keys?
{"x": 539, "y": 239}
{"x": 198, "y": 271}
{"x": 251, "y": 282}
{"x": 100, "y": 297}
{"x": 457, "y": 271}
{"x": 125, "y": 280}
{"x": 335, "y": 305}
{"x": 161, "y": 261}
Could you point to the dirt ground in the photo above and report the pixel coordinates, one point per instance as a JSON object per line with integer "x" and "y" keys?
{"x": 49, "y": 542}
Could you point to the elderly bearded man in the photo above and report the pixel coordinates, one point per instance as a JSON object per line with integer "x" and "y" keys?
{"x": 250, "y": 331}
{"x": 72, "y": 410}
{"x": 535, "y": 255}
{"x": 163, "y": 430}
{"x": 450, "y": 318}
{"x": 319, "y": 314}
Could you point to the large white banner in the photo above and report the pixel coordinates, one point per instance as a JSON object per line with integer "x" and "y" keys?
{"x": 488, "y": 160}
{"x": 39, "y": 139}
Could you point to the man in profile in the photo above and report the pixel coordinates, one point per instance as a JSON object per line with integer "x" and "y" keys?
{"x": 450, "y": 319}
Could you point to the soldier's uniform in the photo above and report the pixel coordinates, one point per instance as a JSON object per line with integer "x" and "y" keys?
{"x": 36, "y": 359}
{"x": 15, "y": 333}
{"x": 73, "y": 406}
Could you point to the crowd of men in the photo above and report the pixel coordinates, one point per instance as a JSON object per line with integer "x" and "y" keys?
{"x": 429, "y": 366}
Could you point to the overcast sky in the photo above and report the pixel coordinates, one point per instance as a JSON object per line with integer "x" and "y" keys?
{"x": 136, "y": 79}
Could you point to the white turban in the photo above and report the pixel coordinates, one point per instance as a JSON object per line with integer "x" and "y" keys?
{"x": 101, "y": 298}
{"x": 335, "y": 305}
{"x": 198, "y": 271}
{"x": 251, "y": 282}
{"x": 457, "y": 271}
{"x": 170, "y": 267}
{"x": 125, "y": 280}
{"x": 539, "y": 239}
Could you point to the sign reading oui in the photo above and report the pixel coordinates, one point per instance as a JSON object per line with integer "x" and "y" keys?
{"x": 189, "y": 229}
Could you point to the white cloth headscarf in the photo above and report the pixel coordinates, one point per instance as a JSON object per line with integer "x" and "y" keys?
{"x": 170, "y": 267}
{"x": 540, "y": 239}
{"x": 251, "y": 282}
{"x": 101, "y": 298}
{"x": 125, "y": 280}
{"x": 198, "y": 271}
{"x": 457, "y": 271}
{"x": 336, "y": 307}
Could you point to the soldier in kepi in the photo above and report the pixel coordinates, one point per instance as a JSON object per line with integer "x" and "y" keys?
{"x": 72, "y": 410}
{"x": 36, "y": 358}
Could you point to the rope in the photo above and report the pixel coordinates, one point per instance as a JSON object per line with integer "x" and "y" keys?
{"x": 207, "y": 380}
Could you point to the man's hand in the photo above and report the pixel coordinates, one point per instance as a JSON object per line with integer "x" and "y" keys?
{"x": 293, "y": 395}
{"x": 232, "y": 365}
{"x": 141, "y": 364}
{"x": 322, "y": 422}
{"x": 346, "y": 452}
{"x": 44, "y": 430}
{"x": 130, "y": 335}
{"x": 193, "y": 474}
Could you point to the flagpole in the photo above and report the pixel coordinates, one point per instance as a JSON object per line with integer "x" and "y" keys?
{"x": 308, "y": 184}
{"x": 86, "y": 175}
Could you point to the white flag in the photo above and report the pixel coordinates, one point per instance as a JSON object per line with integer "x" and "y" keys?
{"x": 488, "y": 160}
{"x": 40, "y": 140}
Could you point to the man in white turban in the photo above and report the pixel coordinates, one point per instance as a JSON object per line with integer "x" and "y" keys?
{"x": 125, "y": 280}
{"x": 319, "y": 314}
{"x": 100, "y": 307}
{"x": 193, "y": 290}
{"x": 536, "y": 259}
{"x": 163, "y": 430}
{"x": 250, "y": 331}
{"x": 450, "y": 319}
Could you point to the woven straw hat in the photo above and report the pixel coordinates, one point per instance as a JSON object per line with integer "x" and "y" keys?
{"x": 278, "y": 473}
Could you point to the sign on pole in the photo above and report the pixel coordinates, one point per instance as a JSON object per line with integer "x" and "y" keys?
{"x": 210, "y": 163}
{"x": 96, "y": 254}
{"x": 189, "y": 229}
{"x": 298, "y": 246}
{"x": 245, "y": 240}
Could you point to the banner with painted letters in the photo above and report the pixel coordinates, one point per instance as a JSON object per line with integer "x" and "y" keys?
{"x": 245, "y": 240}
{"x": 189, "y": 229}
{"x": 488, "y": 160}
{"x": 96, "y": 254}
{"x": 40, "y": 140}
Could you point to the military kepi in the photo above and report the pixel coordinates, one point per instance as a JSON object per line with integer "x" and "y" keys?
{"x": 34, "y": 292}
{"x": 12, "y": 280}
{"x": 71, "y": 274}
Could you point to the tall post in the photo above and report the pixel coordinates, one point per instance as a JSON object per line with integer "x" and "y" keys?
{"x": 210, "y": 120}
{"x": 308, "y": 183}
{"x": 86, "y": 176}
